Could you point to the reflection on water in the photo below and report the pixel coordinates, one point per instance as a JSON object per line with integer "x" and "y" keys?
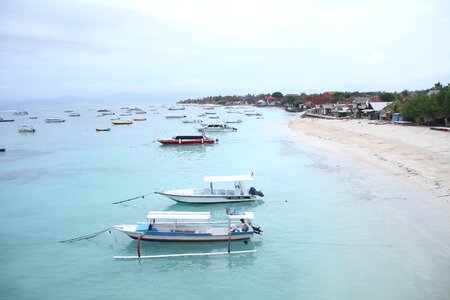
{"x": 168, "y": 264}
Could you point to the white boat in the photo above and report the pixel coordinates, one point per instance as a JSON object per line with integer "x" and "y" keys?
{"x": 21, "y": 113}
{"x": 217, "y": 126}
{"x": 192, "y": 121}
{"x": 54, "y": 120}
{"x": 234, "y": 121}
{"x": 214, "y": 195}
{"x": 175, "y": 226}
{"x": 26, "y": 128}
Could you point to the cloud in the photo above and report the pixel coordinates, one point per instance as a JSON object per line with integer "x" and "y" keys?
{"x": 108, "y": 46}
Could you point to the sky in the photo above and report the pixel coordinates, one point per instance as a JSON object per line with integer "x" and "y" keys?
{"x": 190, "y": 49}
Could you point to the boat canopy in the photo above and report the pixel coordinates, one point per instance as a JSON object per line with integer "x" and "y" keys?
{"x": 213, "y": 179}
{"x": 179, "y": 215}
{"x": 245, "y": 215}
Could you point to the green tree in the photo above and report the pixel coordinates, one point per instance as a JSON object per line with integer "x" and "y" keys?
{"x": 387, "y": 97}
{"x": 443, "y": 104}
{"x": 438, "y": 86}
{"x": 277, "y": 95}
{"x": 395, "y": 106}
{"x": 414, "y": 108}
{"x": 338, "y": 96}
{"x": 421, "y": 106}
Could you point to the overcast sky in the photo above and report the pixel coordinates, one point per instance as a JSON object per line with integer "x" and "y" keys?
{"x": 200, "y": 48}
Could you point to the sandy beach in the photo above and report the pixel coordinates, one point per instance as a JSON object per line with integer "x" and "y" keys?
{"x": 416, "y": 153}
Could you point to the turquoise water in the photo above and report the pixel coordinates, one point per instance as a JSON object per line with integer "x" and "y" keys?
{"x": 333, "y": 229}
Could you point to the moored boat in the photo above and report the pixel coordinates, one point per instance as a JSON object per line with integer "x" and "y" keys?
{"x": 175, "y": 117}
{"x": 26, "y": 128}
{"x": 21, "y": 113}
{"x": 122, "y": 122}
{"x": 74, "y": 115}
{"x": 54, "y": 120}
{"x": 187, "y": 140}
{"x": 217, "y": 127}
{"x": 102, "y": 129}
{"x": 215, "y": 195}
{"x": 6, "y": 120}
{"x": 140, "y": 119}
{"x": 178, "y": 226}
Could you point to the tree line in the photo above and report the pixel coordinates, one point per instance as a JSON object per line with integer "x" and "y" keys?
{"x": 428, "y": 106}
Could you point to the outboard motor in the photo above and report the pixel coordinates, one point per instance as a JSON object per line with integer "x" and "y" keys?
{"x": 257, "y": 230}
{"x": 253, "y": 191}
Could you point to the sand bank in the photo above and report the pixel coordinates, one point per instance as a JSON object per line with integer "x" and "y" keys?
{"x": 416, "y": 153}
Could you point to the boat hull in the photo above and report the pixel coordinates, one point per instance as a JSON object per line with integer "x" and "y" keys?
{"x": 208, "y": 198}
{"x": 185, "y": 237}
{"x": 187, "y": 142}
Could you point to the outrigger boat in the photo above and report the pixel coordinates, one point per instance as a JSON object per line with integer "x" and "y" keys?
{"x": 187, "y": 140}
{"x": 213, "y": 195}
{"x": 175, "y": 226}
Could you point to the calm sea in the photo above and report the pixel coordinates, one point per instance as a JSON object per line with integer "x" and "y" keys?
{"x": 333, "y": 228}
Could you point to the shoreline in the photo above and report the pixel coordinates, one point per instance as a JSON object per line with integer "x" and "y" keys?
{"x": 414, "y": 153}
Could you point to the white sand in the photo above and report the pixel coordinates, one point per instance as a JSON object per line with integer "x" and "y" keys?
{"x": 416, "y": 153}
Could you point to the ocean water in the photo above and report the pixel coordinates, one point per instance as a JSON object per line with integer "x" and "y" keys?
{"x": 333, "y": 228}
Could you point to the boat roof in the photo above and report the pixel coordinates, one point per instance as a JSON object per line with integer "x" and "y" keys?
{"x": 228, "y": 178}
{"x": 245, "y": 215}
{"x": 179, "y": 215}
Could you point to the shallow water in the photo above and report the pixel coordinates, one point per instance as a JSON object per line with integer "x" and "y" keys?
{"x": 333, "y": 228}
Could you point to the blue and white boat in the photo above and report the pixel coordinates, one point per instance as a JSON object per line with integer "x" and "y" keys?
{"x": 175, "y": 226}
{"x": 216, "y": 127}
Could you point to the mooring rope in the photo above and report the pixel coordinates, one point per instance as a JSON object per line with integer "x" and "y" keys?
{"x": 134, "y": 198}
{"x": 86, "y": 237}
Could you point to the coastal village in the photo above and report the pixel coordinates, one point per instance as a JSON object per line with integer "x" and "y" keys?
{"x": 427, "y": 107}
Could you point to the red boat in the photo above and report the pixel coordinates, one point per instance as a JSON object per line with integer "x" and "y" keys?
{"x": 188, "y": 140}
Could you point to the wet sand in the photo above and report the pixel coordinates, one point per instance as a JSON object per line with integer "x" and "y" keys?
{"x": 416, "y": 153}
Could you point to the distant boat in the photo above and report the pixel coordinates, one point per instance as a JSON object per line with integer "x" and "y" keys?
{"x": 33, "y": 118}
{"x": 445, "y": 129}
{"x": 2, "y": 149}
{"x": 187, "y": 140}
{"x": 217, "y": 127}
{"x": 140, "y": 112}
{"x": 234, "y": 121}
{"x": 6, "y": 120}
{"x": 140, "y": 119}
{"x": 176, "y": 108}
{"x": 103, "y": 110}
{"x": 74, "y": 115}
{"x": 404, "y": 123}
{"x": 102, "y": 129}
{"x": 26, "y": 128}
{"x": 175, "y": 117}
{"x": 122, "y": 122}
{"x": 21, "y": 113}
{"x": 192, "y": 121}
{"x": 54, "y": 120}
